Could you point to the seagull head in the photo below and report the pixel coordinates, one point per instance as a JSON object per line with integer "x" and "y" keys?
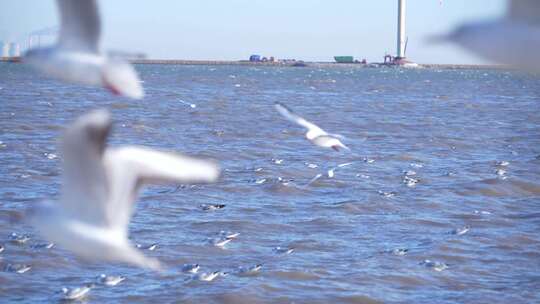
{"x": 98, "y": 128}
{"x": 89, "y": 132}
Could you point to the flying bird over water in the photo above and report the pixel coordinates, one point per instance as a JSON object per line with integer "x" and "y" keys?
{"x": 330, "y": 173}
{"x": 77, "y": 57}
{"x": 314, "y": 134}
{"x": 513, "y": 39}
{"x": 100, "y": 186}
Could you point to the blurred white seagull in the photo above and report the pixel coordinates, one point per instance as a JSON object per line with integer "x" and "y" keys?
{"x": 77, "y": 57}
{"x": 513, "y": 39}
{"x": 100, "y": 186}
{"x": 316, "y": 135}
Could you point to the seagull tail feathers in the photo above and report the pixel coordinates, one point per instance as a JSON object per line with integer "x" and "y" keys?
{"x": 137, "y": 258}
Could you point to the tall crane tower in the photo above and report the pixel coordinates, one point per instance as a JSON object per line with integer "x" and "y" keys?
{"x": 401, "y": 37}
{"x": 400, "y": 58}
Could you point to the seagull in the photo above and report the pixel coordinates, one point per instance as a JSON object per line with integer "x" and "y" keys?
{"x": 212, "y": 207}
{"x": 513, "y": 39}
{"x": 316, "y": 177}
{"x": 109, "y": 280}
{"x": 150, "y": 247}
{"x": 221, "y": 241}
{"x": 191, "y": 268}
{"x": 330, "y": 173}
{"x": 43, "y": 246}
{"x": 437, "y": 266}
{"x": 208, "y": 277}
{"x": 77, "y": 57}
{"x": 461, "y": 230}
{"x": 249, "y": 271}
{"x": 191, "y": 105}
{"x": 76, "y": 293}
{"x": 400, "y": 251}
{"x": 316, "y": 135}
{"x": 100, "y": 186}
{"x": 283, "y": 250}
{"x": 228, "y": 234}
{"x": 18, "y": 239}
{"x": 18, "y": 268}
{"x": 387, "y": 194}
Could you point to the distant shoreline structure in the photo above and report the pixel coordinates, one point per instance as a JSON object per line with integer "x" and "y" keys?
{"x": 289, "y": 64}
{"x": 310, "y": 64}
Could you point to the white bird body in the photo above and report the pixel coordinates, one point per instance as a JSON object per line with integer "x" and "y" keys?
{"x": 77, "y": 58}
{"x": 77, "y": 67}
{"x": 207, "y": 277}
{"x": 75, "y": 293}
{"x": 91, "y": 242}
{"x": 513, "y": 40}
{"x": 191, "y": 268}
{"x": 110, "y": 280}
{"x": 330, "y": 172}
{"x": 249, "y": 271}
{"x": 100, "y": 186}
{"x": 315, "y": 134}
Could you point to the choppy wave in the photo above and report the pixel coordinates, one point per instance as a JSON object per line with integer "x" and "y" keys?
{"x": 472, "y": 139}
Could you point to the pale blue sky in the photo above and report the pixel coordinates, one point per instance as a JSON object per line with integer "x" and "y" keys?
{"x": 234, "y": 29}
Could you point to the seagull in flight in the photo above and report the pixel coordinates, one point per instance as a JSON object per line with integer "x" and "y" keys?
{"x": 330, "y": 173}
{"x": 77, "y": 57}
{"x": 316, "y": 135}
{"x": 100, "y": 186}
{"x": 513, "y": 39}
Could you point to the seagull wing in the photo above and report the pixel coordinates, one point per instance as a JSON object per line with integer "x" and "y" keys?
{"x": 330, "y": 172}
{"x": 84, "y": 188}
{"x": 344, "y": 165}
{"x": 128, "y": 168}
{"x": 316, "y": 177}
{"x": 290, "y": 115}
{"x": 524, "y": 11}
{"x": 80, "y": 26}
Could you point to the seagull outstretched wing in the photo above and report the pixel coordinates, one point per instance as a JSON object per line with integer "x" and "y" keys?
{"x": 80, "y": 28}
{"x": 128, "y": 168}
{"x": 290, "y": 115}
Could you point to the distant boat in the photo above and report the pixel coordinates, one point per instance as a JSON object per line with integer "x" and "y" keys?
{"x": 344, "y": 59}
